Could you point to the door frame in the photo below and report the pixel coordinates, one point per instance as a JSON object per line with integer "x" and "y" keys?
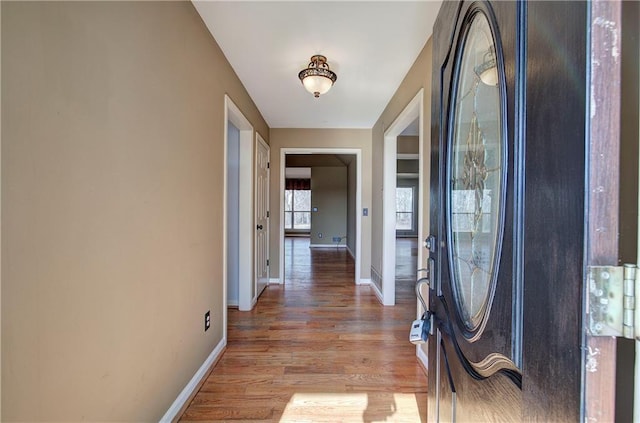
{"x": 603, "y": 137}
{"x": 233, "y": 114}
{"x": 320, "y": 150}
{"x": 414, "y": 109}
{"x": 267, "y": 229}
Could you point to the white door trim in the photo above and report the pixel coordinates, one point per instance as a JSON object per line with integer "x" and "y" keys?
{"x": 412, "y": 111}
{"x": 245, "y": 233}
{"x": 320, "y": 150}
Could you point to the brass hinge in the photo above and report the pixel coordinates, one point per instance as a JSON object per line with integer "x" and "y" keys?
{"x": 612, "y": 300}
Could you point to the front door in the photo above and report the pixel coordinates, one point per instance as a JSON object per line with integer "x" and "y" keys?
{"x": 510, "y": 211}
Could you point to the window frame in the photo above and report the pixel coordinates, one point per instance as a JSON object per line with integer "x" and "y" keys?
{"x": 289, "y": 215}
{"x": 412, "y": 213}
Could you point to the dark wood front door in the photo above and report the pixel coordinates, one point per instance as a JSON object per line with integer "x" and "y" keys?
{"x": 510, "y": 211}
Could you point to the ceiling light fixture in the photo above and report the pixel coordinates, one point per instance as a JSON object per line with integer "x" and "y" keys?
{"x": 317, "y": 78}
{"x": 487, "y": 70}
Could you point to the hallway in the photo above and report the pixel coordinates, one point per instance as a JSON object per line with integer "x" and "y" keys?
{"x": 317, "y": 349}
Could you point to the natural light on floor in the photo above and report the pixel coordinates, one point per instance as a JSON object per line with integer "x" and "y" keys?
{"x": 352, "y": 407}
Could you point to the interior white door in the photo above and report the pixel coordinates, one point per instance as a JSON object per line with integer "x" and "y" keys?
{"x": 262, "y": 215}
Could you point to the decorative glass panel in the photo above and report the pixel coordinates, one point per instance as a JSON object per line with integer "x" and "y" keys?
{"x": 476, "y": 173}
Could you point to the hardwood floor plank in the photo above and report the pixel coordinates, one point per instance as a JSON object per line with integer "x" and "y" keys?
{"x": 317, "y": 349}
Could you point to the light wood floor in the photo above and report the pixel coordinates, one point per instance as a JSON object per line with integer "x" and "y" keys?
{"x": 317, "y": 349}
{"x": 406, "y": 259}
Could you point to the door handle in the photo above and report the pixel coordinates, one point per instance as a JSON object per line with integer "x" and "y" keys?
{"x": 259, "y": 227}
{"x": 430, "y": 244}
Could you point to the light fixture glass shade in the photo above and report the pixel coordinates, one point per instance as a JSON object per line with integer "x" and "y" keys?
{"x": 489, "y": 76}
{"x": 317, "y": 78}
{"x": 487, "y": 71}
{"x": 317, "y": 84}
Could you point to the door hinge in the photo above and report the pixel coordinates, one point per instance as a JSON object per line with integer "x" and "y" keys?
{"x": 267, "y": 214}
{"x": 612, "y": 300}
{"x": 268, "y": 165}
{"x": 267, "y": 263}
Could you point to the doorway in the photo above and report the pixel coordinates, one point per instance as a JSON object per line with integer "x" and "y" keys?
{"x": 238, "y": 216}
{"x": 233, "y": 218}
{"x": 407, "y": 205}
{"x": 353, "y": 240}
{"x": 410, "y": 119}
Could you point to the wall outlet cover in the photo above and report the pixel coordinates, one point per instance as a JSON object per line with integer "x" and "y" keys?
{"x": 207, "y": 320}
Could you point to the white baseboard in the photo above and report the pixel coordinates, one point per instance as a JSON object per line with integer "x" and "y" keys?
{"x": 185, "y": 395}
{"x": 364, "y": 282}
{"x": 353, "y": 256}
{"x": 422, "y": 355}
{"x": 376, "y": 278}
{"x": 378, "y": 293}
{"x": 275, "y": 281}
{"x": 327, "y": 246}
{"x": 232, "y": 304}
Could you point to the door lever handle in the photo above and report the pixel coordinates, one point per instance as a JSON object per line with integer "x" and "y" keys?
{"x": 259, "y": 227}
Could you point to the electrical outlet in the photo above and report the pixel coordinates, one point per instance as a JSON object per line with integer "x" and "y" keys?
{"x": 207, "y": 320}
{"x": 319, "y": 234}
{"x": 337, "y": 239}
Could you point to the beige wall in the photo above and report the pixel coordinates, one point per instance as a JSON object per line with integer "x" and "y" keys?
{"x": 419, "y": 76}
{"x": 408, "y": 144}
{"x": 112, "y": 157}
{"x": 329, "y": 198}
{"x": 319, "y": 138}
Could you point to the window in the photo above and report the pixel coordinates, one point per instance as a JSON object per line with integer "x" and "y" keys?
{"x": 476, "y": 173}
{"x": 297, "y": 209}
{"x": 404, "y": 208}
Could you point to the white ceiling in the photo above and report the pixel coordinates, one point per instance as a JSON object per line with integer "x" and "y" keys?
{"x": 370, "y": 45}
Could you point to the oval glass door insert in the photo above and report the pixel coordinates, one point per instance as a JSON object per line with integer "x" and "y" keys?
{"x": 476, "y": 171}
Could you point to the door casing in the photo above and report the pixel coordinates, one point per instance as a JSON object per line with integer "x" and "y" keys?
{"x": 414, "y": 110}
{"x": 245, "y": 231}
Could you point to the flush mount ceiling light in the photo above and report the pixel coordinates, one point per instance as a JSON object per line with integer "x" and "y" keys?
{"x": 317, "y": 78}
